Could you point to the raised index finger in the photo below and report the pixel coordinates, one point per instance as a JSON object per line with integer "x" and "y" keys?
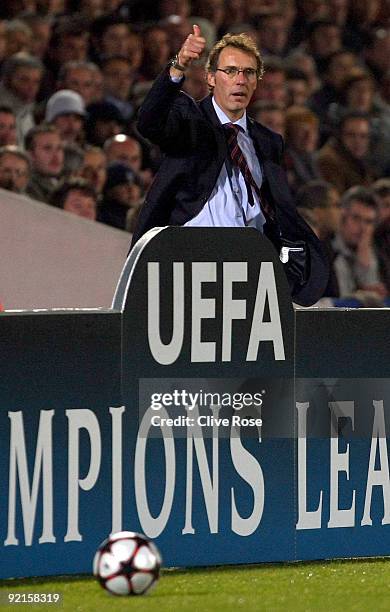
{"x": 196, "y": 30}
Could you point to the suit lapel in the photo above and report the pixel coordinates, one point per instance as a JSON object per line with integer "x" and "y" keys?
{"x": 207, "y": 109}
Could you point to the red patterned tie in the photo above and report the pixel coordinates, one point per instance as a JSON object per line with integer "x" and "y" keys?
{"x": 238, "y": 159}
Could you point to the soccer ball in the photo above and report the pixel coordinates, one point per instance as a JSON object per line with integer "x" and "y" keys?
{"x": 127, "y": 563}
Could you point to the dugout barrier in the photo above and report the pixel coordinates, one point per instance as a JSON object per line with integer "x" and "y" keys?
{"x": 201, "y": 410}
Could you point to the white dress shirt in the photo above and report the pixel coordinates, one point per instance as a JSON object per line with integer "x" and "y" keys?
{"x": 228, "y": 204}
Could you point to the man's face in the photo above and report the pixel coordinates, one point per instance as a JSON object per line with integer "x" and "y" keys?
{"x": 70, "y": 126}
{"x": 355, "y": 136}
{"x": 273, "y": 88}
{"x": 329, "y": 216}
{"x": 81, "y": 204}
{"x": 83, "y": 81}
{"x": 128, "y": 152}
{"x": 25, "y": 83}
{"x": 14, "y": 173}
{"x": 233, "y": 94}
{"x": 7, "y": 129}
{"x": 94, "y": 169}
{"x": 383, "y": 207}
{"x": 118, "y": 78}
{"x": 304, "y": 136}
{"x": 72, "y": 48}
{"x": 47, "y": 154}
{"x": 273, "y": 119}
{"x": 356, "y": 222}
{"x": 274, "y": 34}
{"x": 115, "y": 40}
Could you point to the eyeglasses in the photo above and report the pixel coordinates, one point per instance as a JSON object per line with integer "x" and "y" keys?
{"x": 233, "y": 71}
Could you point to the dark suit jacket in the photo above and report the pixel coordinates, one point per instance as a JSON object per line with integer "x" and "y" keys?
{"x": 194, "y": 143}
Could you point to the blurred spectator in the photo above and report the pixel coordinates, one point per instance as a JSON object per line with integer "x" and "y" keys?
{"x": 319, "y": 204}
{"x": 66, "y": 110}
{"x": 14, "y": 169}
{"x": 195, "y": 83}
{"x": 181, "y": 8}
{"x": 69, "y": 42}
{"x": 336, "y": 68}
{"x": 382, "y": 248}
{"x": 376, "y": 52}
{"x": 3, "y": 41}
{"x": 298, "y": 87}
{"x": 381, "y": 189}
{"x": 357, "y": 93}
{"x": 324, "y": 38}
{"x": 45, "y": 147}
{"x": 18, "y": 37}
{"x": 40, "y": 27}
{"x": 128, "y": 151}
{"x": 7, "y": 126}
{"x": 110, "y": 36}
{"x": 118, "y": 79}
{"x": 103, "y": 121}
{"x": 80, "y": 77}
{"x": 355, "y": 263}
{"x": 273, "y": 34}
{"x": 177, "y": 29}
{"x": 362, "y": 17}
{"x": 269, "y": 114}
{"x": 301, "y": 138}
{"x": 156, "y": 53}
{"x": 304, "y": 62}
{"x": 343, "y": 160}
{"x": 21, "y": 78}
{"x": 338, "y": 11}
{"x": 307, "y": 11}
{"x": 94, "y": 168}
{"x": 73, "y": 161}
{"x": 76, "y": 196}
{"x": 50, "y": 7}
{"x": 211, "y": 11}
{"x": 272, "y": 87}
{"x": 235, "y": 13}
{"x": 122, "y": 197}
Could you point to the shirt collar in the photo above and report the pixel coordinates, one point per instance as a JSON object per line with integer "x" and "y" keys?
{"x": 223, "y": 118}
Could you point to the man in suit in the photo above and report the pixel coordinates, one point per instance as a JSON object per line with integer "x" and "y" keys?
{"x": 221, "y": 168}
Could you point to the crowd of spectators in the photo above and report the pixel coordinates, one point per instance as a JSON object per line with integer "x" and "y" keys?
{"x": 73, "y": 75}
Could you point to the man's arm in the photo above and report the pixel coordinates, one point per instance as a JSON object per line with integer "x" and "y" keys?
{"x": 161, "y": 114}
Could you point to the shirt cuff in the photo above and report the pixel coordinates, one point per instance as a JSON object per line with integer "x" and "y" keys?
{"x": 176, "y": 79}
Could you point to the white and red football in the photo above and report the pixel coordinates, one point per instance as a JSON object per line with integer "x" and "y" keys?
{"x": 127, "y": 563}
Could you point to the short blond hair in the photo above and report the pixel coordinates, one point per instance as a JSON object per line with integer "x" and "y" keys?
{"x": 238, "y": 41}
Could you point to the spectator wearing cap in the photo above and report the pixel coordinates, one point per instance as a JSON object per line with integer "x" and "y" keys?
{"x": 21, "y": 79}
{"x": 104, "y": 121}
{"x": 76, "y": 196}
{"x": 122, "y": 197}
{"x": 46, "y": 150}
{"x": 15, "y": 168}
{"x": 66, "y": 110}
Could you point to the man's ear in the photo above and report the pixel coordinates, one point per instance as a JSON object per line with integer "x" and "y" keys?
{"x": 211, "y": 79}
